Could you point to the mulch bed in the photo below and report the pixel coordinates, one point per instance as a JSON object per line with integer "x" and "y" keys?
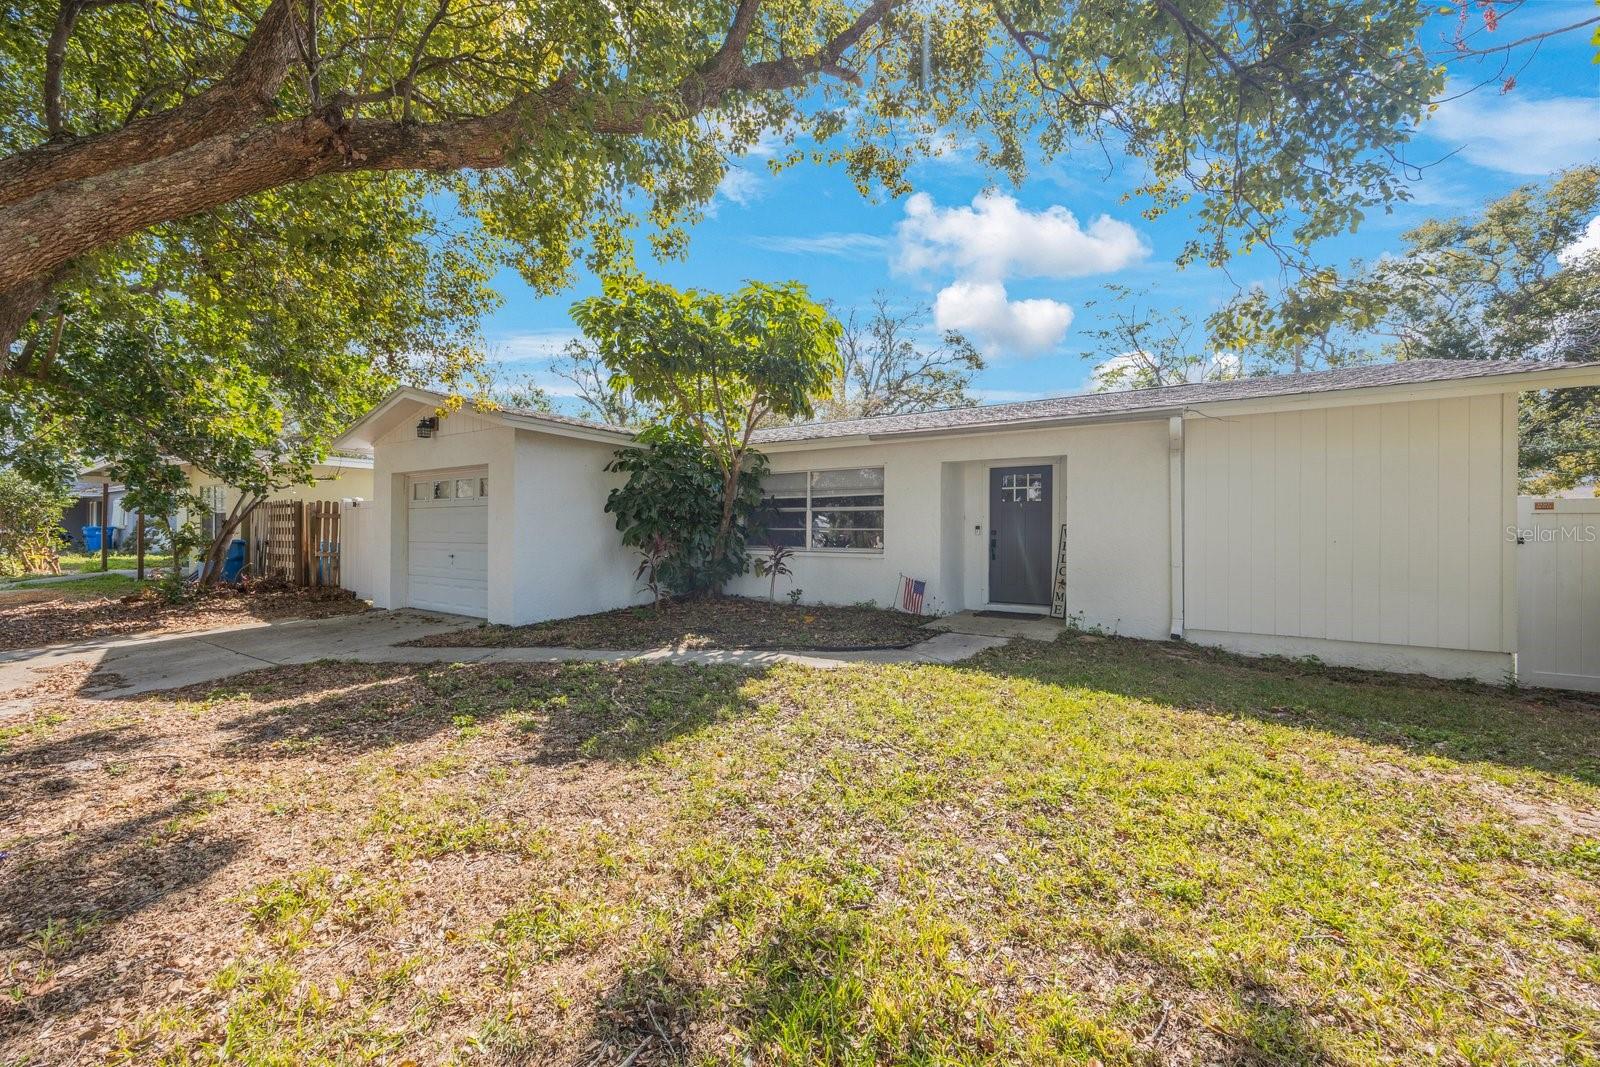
{"x": 34, "y": 618}
{"x": 711, "y": 622}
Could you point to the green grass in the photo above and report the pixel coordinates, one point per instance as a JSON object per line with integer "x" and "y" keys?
{"x": 99, "y": 585}
{"x": 1093, "y": 851}
{"x": 77, "y": 562}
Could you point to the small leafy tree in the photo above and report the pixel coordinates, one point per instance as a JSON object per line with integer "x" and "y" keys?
{"x": 30, "y": 521}
{"x": 673, "y": 496}
{"x": 716, "y": 366}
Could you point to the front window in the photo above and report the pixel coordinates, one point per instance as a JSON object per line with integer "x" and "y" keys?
{"x": 213, "y": 510}
{"x": 839, "y": 510}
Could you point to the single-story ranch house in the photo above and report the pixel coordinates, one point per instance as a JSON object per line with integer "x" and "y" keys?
{"x": 1365, "y": 516}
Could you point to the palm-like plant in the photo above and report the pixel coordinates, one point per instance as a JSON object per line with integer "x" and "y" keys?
{"x": 775, "y": 563}
{"x": 657, "y": 550}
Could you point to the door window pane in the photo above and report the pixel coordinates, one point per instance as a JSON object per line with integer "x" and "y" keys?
{"x": 441, "y": 490}
{"x": 1021, "y": 488}
{"x": 466, "y": 488}
{"x": 483, "y": 487}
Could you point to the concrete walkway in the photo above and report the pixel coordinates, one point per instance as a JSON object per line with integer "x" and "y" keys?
{"x": 128, "y": 666}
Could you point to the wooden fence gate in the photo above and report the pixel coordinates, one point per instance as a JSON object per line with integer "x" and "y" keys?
{"x": 298, "y": 541}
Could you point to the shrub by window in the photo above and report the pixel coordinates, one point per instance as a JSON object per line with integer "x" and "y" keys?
{"x": 840, "y": 510}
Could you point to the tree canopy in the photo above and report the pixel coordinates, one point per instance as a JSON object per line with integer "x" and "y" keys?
{"x": 715, "y": 367}
{"x": 557, "y": 126}
{"x": 1519, "y": 279}
{"x": 891, "y": 368}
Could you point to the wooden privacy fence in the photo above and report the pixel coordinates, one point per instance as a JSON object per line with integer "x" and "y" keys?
{"x": 297, "y": 540}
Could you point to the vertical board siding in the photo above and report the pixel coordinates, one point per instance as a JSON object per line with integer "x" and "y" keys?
{"x": 1370, "y": 523}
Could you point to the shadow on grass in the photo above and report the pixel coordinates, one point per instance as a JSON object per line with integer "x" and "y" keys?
{"x": 565, "y": 712}
{"x": 61, "y": 896}
{"x": 839, "y": 985}
{"x": 1543, "y": 730}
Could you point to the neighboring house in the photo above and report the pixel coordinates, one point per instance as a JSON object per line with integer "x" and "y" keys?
{"x": 85, "y": 511}
{"x": 337, "y": 478}
{"x": 1363, "y": 516}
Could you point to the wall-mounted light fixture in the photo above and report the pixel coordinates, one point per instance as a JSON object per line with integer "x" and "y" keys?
{"x": 426, "y": 426}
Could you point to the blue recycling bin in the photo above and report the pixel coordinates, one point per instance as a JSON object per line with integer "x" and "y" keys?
{"x": 233, "y": 565}
{"x": 92, "y": 534}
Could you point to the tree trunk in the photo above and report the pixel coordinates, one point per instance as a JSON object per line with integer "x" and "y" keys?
{"x": 212, "y": 570}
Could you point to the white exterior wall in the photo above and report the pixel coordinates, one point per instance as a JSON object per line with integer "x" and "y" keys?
{"x": 552, "y": 550}
{"x": 570, "y": 560}
{"x": 1110, "y": 486}
{"x": 1370, "y": 535}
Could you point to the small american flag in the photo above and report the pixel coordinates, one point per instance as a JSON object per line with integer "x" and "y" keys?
{"x": 911, "y": 594}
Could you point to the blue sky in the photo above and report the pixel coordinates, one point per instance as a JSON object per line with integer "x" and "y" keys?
{"x": 1015, "y": 268}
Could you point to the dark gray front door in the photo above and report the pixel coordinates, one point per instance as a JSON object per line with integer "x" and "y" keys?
{"x": 1019, "y": 535}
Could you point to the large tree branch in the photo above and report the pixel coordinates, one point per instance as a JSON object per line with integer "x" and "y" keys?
{"x": 243, "y": 96}
{"x": 60, "y": 202}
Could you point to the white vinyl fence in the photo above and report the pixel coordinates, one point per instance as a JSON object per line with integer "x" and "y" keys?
{"x": 355, "y": 570}
{"x": 1558, "y": 598}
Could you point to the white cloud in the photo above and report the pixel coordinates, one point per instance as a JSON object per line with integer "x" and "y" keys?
{"x": 981, "y": 309}
{"x": 995, "y": 238}
{"x": 1519, "y": 134}
{"x": 540, "y": 346}
{"x": 845, "y": 245}
{"x": 740, "y": 186}
{"x": 1587, "y": 245}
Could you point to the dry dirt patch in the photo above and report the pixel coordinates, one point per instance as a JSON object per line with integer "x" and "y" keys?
{"x": 34, "y": 618}
{"x": 708, "y": 622}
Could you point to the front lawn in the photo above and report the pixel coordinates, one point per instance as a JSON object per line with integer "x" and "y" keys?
{"x": 112, "y": 605}
{"x": 1096, "y": 851}
{"x": 710, "y": 622}
{"x": 77, "y": 562}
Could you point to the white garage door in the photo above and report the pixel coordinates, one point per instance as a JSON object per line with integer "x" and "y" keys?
{"x": 448, "y": 543}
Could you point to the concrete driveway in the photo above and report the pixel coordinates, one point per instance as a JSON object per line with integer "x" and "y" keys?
{"x": 128, "y": 666}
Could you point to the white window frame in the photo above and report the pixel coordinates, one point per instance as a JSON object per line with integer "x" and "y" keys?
{"x": 811, "y": 509}
{"x": 214, "y": 499}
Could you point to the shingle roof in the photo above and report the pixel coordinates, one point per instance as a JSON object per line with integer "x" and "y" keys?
{"x": 564, "y": 420}
{"x": 1171, "y": 398}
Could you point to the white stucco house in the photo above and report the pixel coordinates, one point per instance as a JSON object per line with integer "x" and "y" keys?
{"x": 1365, "y": 516}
